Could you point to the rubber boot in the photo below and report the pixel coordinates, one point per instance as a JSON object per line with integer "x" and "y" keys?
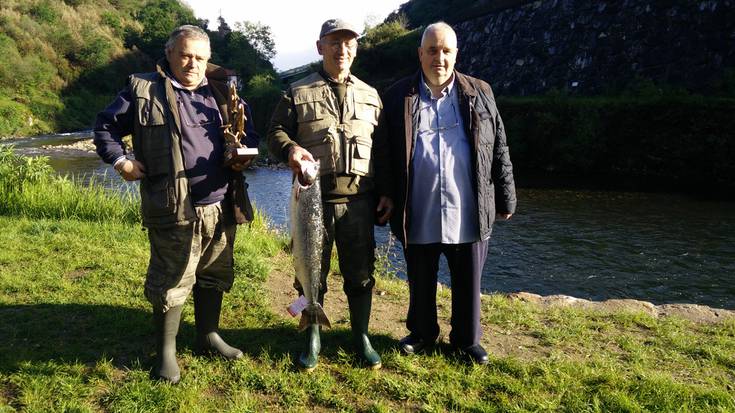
{"x": 207, "y": 308}
{"x": 309, "y": 359}
{"x": 360, "y": 307}
{"x": 166, "y": 326}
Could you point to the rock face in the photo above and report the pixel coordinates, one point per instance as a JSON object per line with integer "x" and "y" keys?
{"x": 692, "y": 312}
{"x": 590, "y": 47}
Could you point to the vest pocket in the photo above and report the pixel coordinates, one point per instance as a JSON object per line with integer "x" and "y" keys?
{"x": 357, "y": 157}
{"x": 156, "y": 196}
{"x": 367, "y": 108}
{"x": 150, "y": 112}
{"x": 308, "y": 107}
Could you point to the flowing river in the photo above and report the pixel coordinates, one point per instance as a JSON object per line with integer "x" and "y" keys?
{"x": 662, "y": 248}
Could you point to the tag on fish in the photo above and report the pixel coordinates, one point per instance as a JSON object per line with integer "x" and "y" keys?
{"x": 297, "y": 306}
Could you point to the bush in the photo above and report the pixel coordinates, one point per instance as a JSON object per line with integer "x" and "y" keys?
{"x": 384, "y": 32}
{"x": 393, "y": 59}
{"x": 263, "y": 95}
{"x": 681, "y": 142}
{"x": 28, "y": 187}
{"x": 46, "y": 12}
{"x": 13, "y": 117}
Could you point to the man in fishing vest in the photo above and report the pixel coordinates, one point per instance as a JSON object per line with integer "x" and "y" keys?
{"x": 190, "y": 201}
{"x": 331, "y": 116}
{"x": 453, "y": 176}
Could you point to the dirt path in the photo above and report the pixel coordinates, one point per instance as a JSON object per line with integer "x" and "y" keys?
{"x": 389, "y": 312}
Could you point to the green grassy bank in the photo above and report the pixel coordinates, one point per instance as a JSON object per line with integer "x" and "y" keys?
{"x": 76, "y": 335}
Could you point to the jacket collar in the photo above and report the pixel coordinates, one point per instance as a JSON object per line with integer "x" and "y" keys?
{"x": 461, "y": 80}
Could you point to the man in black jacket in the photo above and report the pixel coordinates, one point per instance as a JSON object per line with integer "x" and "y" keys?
{"x": 453, "y": 175}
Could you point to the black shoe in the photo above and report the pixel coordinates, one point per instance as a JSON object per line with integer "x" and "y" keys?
{"x": 412, "y": 344}
{"x": 473, "y": 354}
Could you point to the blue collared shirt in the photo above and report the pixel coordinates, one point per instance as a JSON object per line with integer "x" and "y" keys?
{"x": 443, "y": 202}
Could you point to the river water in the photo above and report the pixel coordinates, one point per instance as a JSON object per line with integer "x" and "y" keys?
{"x": 662, "y": 248}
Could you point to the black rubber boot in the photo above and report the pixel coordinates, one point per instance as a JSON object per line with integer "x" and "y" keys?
{"x": 166, "y": 326}
{"x": 360, "y": 307}
{"x": 207, "y": 308}
{"x": 309, "y": 359}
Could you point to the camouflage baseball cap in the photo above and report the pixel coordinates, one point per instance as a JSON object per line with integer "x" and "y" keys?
{"x": 335, "y": 25}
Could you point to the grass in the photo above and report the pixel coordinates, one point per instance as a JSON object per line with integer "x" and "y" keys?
{"x": 76, "y": 336}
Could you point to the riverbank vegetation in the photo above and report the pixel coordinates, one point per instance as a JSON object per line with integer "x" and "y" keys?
{"x": 77, "y": 335}
{"x": 644, "y": 136}
{"x": 64, "y": 60}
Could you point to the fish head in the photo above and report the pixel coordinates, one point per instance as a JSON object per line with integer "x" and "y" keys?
{"x": 309, "y": 172}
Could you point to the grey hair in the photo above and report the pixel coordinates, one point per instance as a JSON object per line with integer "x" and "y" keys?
{"x": 440, "y": 25}
{"x": 186, "y": 31}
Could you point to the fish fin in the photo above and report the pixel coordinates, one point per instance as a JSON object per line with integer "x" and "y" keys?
{"x": 314, "y": 316}
{"x": 304, "y": 321}
{"x": 321, "y": 317}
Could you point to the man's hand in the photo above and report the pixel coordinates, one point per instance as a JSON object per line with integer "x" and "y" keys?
{"x": 503, "y": 216}
{"x": 131, "y": 170}
{"x": 297, "y": 154}
{"x": 384, "y": 210}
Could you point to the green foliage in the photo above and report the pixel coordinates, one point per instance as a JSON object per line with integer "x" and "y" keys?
{"x": 259, "y": 36}
{"x": 63, "y": 61}
{"x": 77, "y": 282}
{"x": 235, "y": 50}
{"x": 263, "y": 95}
{"x": 16, "y": 170}
{"x": 13, "y": 118}
{"x": 390, "y": 53}
{"x": 45, "y": 11}
{"x": 674, "y": 141}
{"x": 159, "y": 18}
{"x": 384, "y": 32}
{"x": 29, "y": 188}
{"x": 420, "y": 13}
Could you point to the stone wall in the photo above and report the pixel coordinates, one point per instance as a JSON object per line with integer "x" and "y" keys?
{"x": 589, "y": 47}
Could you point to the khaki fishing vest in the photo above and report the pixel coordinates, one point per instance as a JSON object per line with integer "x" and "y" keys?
{"x": 164, "y": 191}
{"x": 343, "y": 146}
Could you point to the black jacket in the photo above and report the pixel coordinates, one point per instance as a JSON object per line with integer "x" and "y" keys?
{"x": 493, "y": 174}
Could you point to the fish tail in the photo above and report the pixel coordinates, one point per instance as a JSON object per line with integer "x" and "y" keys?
{"x": 321, "y": 316}
{"x": 314, "y": 316}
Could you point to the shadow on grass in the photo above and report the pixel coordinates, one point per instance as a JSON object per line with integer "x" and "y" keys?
{"x": 90, "y": 333}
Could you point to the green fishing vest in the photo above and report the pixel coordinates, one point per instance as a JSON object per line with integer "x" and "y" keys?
{"x": 342, "y": 146}
{"x": 164, "y": 191}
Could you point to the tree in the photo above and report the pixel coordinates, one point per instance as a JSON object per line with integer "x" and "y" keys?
{"x": 260, "y": 37}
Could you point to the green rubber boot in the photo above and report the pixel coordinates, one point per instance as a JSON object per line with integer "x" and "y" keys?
{"x": 360, "y": 307}
{"x": 166, "y": 326}
{"x": 309, "y": 359}
{"x": 207, "y": 309}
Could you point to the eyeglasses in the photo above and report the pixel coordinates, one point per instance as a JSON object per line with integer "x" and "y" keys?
{"x": 337, "y": 45}
{"x": 453, "y": 123}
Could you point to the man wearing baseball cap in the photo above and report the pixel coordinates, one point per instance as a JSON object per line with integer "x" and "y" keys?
{"x": 331, "y": 116}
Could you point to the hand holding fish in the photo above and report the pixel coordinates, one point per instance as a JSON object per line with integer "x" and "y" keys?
{"x": 296, "y": 156}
